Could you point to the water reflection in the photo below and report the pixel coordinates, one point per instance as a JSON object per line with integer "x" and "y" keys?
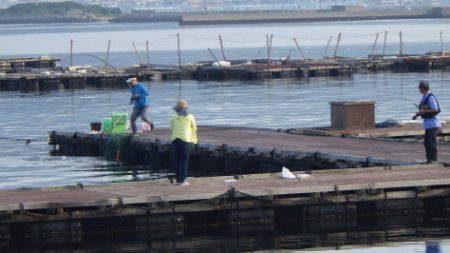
{"x": 433, "y": 247}
{"x": 391, "y": 235}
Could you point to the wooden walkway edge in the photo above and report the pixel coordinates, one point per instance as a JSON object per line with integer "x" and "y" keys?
{"x": 256, "y": 200}
{"x": 253, "y": 186}
{"x": 230, "y": 151}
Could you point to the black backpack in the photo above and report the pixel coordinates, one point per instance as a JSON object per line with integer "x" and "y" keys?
{"x": 425, "y": 103}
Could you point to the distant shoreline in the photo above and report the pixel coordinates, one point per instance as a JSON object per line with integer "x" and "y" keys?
{"x": 56, "y": 12}
{"x": 48, "y": 20}
{"x": 241, "y": 17}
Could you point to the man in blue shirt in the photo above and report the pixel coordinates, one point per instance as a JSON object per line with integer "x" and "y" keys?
{"x": 428, "y": 110}
{"x": 139, "y": 99}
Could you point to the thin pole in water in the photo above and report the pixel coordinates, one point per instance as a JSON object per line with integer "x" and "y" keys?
{"x": 442, "y": 43}
{"x": 337, "y": 45}
{"x": 147, "y": 51}
{"x": 107, "y": 53}
{"x": 179, "y": 50}
{"x": 221, "y": 47}
{"x": 299, "y": 48}
{"x": 374, "y": 46}
{"x": 328, "y": 45}
{"x": 384, "y": 42}
{"x": 71, "y": 53}
{"x": 268, "y": 48}
{"x": 401, "y": 43}
{"x": 137, "y": 53}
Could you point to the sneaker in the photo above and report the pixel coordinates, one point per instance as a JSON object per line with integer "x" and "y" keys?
{"x": 184, "y": 183}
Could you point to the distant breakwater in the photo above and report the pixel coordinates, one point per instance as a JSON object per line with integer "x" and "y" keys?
{"x": 241, "y": 17}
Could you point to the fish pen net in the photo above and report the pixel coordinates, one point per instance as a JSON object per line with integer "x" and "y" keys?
{"x": 117, "y": 148}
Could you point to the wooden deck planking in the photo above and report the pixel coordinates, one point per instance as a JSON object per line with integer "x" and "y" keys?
{"x": 409, "y": 129}
{"x": 207, "y": 188}
{"x": 246, "y": 138}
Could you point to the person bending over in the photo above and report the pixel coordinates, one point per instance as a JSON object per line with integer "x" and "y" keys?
{"x": 139, "y": 100}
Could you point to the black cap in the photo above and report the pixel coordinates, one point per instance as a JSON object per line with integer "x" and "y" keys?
{"x": 424, "y": 85}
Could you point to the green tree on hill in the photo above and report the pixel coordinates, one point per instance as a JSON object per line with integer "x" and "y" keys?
{"x": 68, "y": 8}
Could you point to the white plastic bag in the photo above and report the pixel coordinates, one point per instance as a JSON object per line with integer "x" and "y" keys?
{"x": 287, "y": 174}
{"x": 303, "y": 176}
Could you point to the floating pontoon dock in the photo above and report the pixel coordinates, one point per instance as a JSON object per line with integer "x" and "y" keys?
{"x": 8, "y": 64}
{"x": 162, "y": 208}
{"x": 244, "y": 196}
{"x": 61, "y": 81}
{"x": 256, "y": 69}
{"x": 405, "y": 131}
{"x": 245, "y": 150}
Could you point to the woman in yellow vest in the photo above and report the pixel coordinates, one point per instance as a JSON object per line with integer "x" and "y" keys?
{"x": 183, "y": 134}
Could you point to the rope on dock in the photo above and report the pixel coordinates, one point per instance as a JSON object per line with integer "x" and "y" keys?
{"x": 232, "y": 193}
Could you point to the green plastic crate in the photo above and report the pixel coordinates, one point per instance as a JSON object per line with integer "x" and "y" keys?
{"x": 119, "y": 118}
{"x": 119, "y": 129}
{"x": 106, "y": 125}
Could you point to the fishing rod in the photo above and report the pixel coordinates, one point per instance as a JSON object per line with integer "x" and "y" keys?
{"x": 397, "y": 98}
{"x": 95, "y": 57}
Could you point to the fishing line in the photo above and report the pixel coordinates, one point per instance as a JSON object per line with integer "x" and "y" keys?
{"x": 397, "y": 98}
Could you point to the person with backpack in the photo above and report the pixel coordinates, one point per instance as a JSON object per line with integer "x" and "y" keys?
{"x": 140, "y": 102}
{"x": 429, "y": 109}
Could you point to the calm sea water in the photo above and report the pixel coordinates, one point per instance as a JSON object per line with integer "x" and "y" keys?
{"x": 271, "y": 104}
{"x": 240, "y": 41}
{"x": 274, "y": 104}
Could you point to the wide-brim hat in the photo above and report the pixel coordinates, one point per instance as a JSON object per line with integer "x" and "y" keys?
{"x": 182, "y": 104}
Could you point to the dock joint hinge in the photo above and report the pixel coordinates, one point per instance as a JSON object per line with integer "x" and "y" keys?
{"x": 231, "y": 194}
{"x": 368, "y": 160}
{"x": 238, "y": 176}
{"x": 22, "y": 208}
{"x": 337, "y": 190}
{"x": 251, "y": 150}
{"x": 273, "y": 152}
{"x": 119, "y": 202}
{"x": 317, "y": 155}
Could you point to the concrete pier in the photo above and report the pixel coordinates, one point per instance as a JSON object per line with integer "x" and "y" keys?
{"x": 344, "y": 14}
